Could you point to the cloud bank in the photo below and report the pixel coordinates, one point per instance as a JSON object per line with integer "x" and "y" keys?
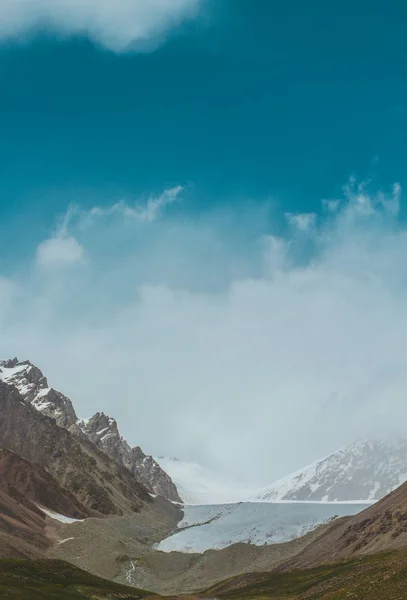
{"x": 118, "y": 25}
{"x": 223, "y": 338}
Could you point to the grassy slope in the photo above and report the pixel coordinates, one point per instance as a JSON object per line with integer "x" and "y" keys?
{"x": 376, "y": 577}
{"x": 56, "y": 580}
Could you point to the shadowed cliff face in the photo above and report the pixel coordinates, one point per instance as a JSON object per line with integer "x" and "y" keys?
{"x": 104, "y": 433}
{"x": 21, "y": 479}
{"x": 24, "y": 530}
{"x": 101, "y": 430}
{"x": 96, "y": 481}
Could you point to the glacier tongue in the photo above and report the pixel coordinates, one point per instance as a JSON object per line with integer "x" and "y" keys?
{"x": 217, "y": 526}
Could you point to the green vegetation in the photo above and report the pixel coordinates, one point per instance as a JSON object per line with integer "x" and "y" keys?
{"x": 377, "y": 577}
{"x": 57, "y": 580}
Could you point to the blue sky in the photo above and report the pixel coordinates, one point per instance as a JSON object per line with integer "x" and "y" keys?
{"x": 250, "y": 100}
{"x": 219, "y": 175}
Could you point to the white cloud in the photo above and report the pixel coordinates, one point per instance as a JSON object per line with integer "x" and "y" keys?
{"x": 331, "y": 205}
{"x": 141, "y": 211}
{"x": 301, "y": 221}
{"x": 149, "y": 211}
{"x": 116, "y": 24}
{"x": 361, "y": 202}
{"x": 210, "y": 341}
{"x": 59, "y": 251}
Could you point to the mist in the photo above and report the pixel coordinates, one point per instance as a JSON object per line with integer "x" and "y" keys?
{"x": 248, "y": 343}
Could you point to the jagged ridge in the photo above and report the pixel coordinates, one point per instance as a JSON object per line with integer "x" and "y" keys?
{"x": 364, "y": 471}
{"x": 100, "y": 429}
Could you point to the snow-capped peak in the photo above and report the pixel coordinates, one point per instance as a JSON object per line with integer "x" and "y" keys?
{"x": 34, "y": 389}
{"x": 364, "y": 471}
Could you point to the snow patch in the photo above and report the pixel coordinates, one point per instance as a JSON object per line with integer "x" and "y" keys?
{"x": 59, "y": 517}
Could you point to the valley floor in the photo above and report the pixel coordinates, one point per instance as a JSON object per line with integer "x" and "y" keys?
{"x": 376, "y": 577}
{"x": 122, "y": 549}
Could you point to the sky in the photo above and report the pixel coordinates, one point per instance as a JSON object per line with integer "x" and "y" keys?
{"x": 202, "y": 220}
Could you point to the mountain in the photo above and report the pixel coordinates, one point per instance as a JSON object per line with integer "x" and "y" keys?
{"x": 365, "y": 471}
{"x": 361, "y": 472}
{"x": 96, "y": 481}
{"x": 101, "y": 430}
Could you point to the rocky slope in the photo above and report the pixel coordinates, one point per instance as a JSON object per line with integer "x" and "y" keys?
{"x": 104, "y": 433}
{"x": 25, "y": 481}
{"x": 22, "y": 528}
{"x": 101, "y": 430}
{"x": 364, "y": 471}
{"x": 381, "y": 527}
{"x": 96, "y": 481}
{"x": 26, "y": 488}
{"x": 378, "y": 577}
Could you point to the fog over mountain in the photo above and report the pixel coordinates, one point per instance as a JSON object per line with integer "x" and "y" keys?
{"x": 246, "y": 340}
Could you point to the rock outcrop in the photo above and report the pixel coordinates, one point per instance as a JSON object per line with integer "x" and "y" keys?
{"x": 104, "y": 433}
{"x": 33, "y": 387}
{"x": 380, "y": 528}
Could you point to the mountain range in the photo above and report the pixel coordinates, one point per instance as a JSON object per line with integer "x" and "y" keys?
{"x": 73, "y": 489}
{"x": 361, "y": 472}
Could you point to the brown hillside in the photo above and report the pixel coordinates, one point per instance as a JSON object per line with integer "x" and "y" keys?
{"x": 380, "y": 527}
{"x": 96, "y": 481}
{"x": 20, "y": 478}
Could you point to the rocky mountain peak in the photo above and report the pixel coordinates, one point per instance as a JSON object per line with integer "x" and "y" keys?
{"x": 100, "y": 429}
{"x": 138, "y": 453}
{"x": 10, "y": 363}
{"x": 28, "y": 378}
{"x": 103, "y": 431}
{"x": 100, "y": 425}
{"x": 33, "y": 387}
